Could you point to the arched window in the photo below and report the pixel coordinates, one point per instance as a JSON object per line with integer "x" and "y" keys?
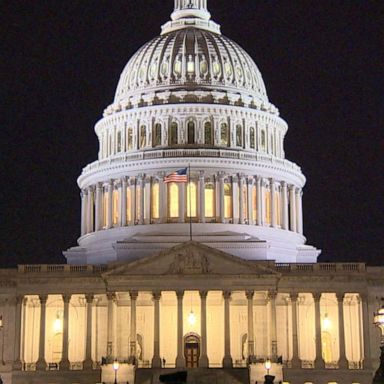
{"x": 173, "y": 200}
{"x": 209, "y": 195}
{"x": 263, "y": 140}
{"x": 239, "y": 135}
{"x": 157, "y": 135}
{"x": 130, "y": 138}
{"x": 252, "y": 138}
{"x": 228, "y": 200}
{"x": 224, "y": 135}
{"x": 191, "y": 199}
{"x": 143, "y": 136}
{"x": 115, "y": 207}
{"x": 155, "y": 201}
{"x": 191, "y": 132}
{"x": 208, "y": 134}
{"x": 119, "y": 143}
{"x": 173, "y": 134}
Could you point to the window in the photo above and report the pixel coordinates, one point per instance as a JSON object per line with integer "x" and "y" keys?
{"x": 119, "y": 146}
{"x": 173, "y": 134}
{"x": 208, "y": 136}
{"x": 227, "y": 200}
{"x": 143, "y": 136}
{"x": 263, "y": 141}
{"x": 115, "y": 207}
{"x": 191, "y": 132}
{"x": 224, "y": 135}
{"x": 209, "y": 195}
{"x": 129, "y": 204}
{"x": 277, "y": 207}
{"x": 254, "y": 202}
{"x": 267, "y": 206}
{"x": 191, "y": 199}
{"x": 157, "y": 135}
{"x": 155, "y": 199}
{"x": 173, "y": 200}
{"x": 252, "y": 138}
{"x": 105, "y": 207}
{"x": 130, "y": 138}
{"x": 239, "y": 135}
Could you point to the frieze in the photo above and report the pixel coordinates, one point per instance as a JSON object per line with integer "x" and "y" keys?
{"x": 8, "y": 283}
{"x": 189, "y": 262}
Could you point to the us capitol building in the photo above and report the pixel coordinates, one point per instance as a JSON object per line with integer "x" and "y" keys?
{"x": 213, "y": 274}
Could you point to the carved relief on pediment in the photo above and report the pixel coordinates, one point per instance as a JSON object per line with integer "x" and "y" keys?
{"x": 189, "y": 262}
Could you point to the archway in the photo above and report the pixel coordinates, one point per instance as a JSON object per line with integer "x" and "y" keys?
{"x": 192, "y": 350}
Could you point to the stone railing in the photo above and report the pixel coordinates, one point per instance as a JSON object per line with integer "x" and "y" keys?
{"x": 320, "y": 267}
{"x": 61, "y": 268}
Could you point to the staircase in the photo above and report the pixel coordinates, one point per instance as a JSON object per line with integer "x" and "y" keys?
{"x": 196, "y": 375}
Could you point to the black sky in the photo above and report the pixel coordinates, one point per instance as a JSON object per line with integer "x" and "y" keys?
{"x": 322, "y": 62}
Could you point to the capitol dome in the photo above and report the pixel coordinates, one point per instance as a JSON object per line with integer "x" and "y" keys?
{"x": 191, "y": 101}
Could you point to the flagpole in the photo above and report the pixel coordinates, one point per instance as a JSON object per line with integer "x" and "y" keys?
{"x": 190, "y": 202}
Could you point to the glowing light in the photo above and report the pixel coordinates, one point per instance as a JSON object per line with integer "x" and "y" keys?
{"x": 326, "y": 322}
{"x": 191, "y": 318}
{"x": 268, "y": 365}
{"x": 116, "y": 365}
{"x": 1, "y": 321}
{"x": 58, "y": 325}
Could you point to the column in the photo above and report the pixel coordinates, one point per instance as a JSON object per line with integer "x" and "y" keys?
{"x": 110, "y": 334}
{"x": 251, "y": 220}
{"x": 227, "y": 360}
{"x": 258, "y": 200}
{"x": 221, "y": 198}
{"x": 319, "y": 362}
{"x": 367, "y": 362}
{"x": 84, "y": 203}
{"x": 156, "y": 360}
{"x": 241, "y": 200}
{"x": 146, "y": 197}
{"x": 273, "y": 203}
{"x": 262, "y": 201}
{"x": 64, "y": 363}
{"x": 132, "y": 356}
{"x": 203, "y": 362}
{"x": 123, "y": 202}
{"x": 132, "y": 186}
{"x": 180, "y": 360}
{"x": 299, "y": 209}
{"x": 202, "y": 197}
{"x": 141, "y": 184}
{"x": 99, "y": 207}
{"x": 295, "y": 362}
{"x": 90, "y": 211}
{"x": 235, "y": 200}
{"x": 163, "y": 198}
{"x": 88, "y": 363}
{"x": 182, "y": 200}
{"x": 292, "y": 201}
{"x": 343, "y": 362}
{"x": 110, "y": 204}
{"x": 272, "y": 299}
{"x": 285, "y": 223}
{"x": 251, "y": 341}
{"x": 17, "y": 365}
{"x": 41, "y": 364}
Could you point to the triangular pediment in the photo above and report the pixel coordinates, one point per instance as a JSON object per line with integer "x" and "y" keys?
{"x": 191, "y": 258}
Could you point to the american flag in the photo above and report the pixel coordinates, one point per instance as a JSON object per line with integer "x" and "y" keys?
{"x": 179, "y": 176}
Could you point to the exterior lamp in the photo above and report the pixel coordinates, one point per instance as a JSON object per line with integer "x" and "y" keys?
{"x": 191, "y": 318}
{"x": 268, "y": 365}
{"x": 116, "y": 366}
{"x": 326, "y": 322}
{"x": 58, "y": 324}
{"x": 269, "y": 379}
{"x": 378, "y": 320}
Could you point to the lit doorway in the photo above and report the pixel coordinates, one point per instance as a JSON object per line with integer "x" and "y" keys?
{"x": 192, "y": 350}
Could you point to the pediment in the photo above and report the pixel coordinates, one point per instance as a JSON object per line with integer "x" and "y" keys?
{"x": 190, "y": 258}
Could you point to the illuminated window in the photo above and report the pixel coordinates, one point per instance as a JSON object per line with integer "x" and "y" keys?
{"x": 252, "y": 137}
{"x": 191, "y": 199}
{"x": 263, "y": 141}
{"x": 130, "y": 138}
{"x": 239, "y": 135}
{"x": 173, "y": 134}
{"x": 190, "y": 65}
{"x": 115, "y": 205}
{"x": 208, "y": 134}
{"x": 244, "y": 197}
{"x": 173, "y": 200}
{"x": 267, "y": 218}
{"x": 224, "y": 135}
{"x": 228, "y": 200}
{"x": 129, "y": 204}
{"x": 209, "y": 194}
{"x": 138, "y": 202}
{"x": 105, "y": 207}
{"x": 143, "y": 136}
{"x": 191, "y": 132}
{"x": 155, "y": 199}
{"x": 157, "y": 135}
{"x": 254, "y": 202}
{"x": 177, "y": 66}
{"x": 119, "y": 146}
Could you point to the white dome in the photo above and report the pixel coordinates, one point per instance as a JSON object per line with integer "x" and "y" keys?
{"x": 191, "y": 59}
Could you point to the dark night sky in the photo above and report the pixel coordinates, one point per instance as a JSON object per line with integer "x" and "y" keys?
{"x": 322, "y": 62}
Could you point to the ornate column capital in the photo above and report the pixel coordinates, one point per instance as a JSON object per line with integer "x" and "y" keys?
{"x": 66, "y": 298}
{"x": 271, "y": 295}
{"x": 133, "y": 295}
{"x": 340, "y": 296}
{"x": 249, "y": 294}
{"x": 227, "y": 295}
{"x": 111, "y": 295}
{"x": 179, "y": 294}
{"x": 43, "y": 299}
{"x": 156, "y": 295}
{"x": 294, "y": 296}
{"x": 203, "y": 294}
{"x": 89, "y": 298}
{"x": 316, "y": 296}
